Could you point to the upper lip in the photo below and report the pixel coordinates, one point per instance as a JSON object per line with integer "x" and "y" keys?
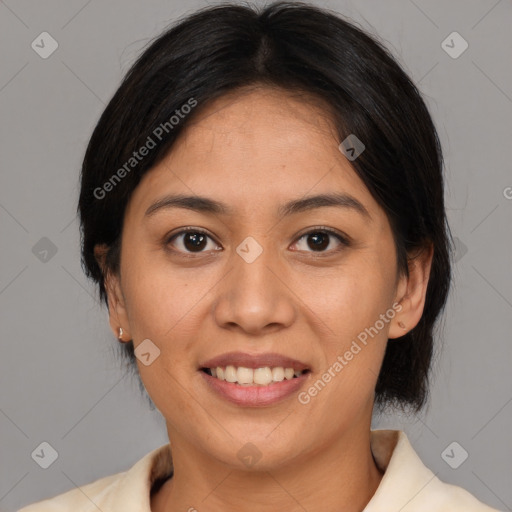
{"x": 246, "y": 360}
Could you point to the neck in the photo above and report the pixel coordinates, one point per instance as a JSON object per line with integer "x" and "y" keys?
{"x": 340, "y": 475}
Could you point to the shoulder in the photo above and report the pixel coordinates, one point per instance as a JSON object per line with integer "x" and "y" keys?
{"x": 445, "y": 497}
{"x": 435, "y": 496}
{"x": 79, "y": 499}
{"x": 128, "y": 491}
{"x": 408, "y": 485}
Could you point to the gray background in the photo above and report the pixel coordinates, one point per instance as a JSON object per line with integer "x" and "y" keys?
{"x": 60, "y": 381}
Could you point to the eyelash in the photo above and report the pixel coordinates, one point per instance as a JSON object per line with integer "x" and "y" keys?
{"x": 343, "y": 239}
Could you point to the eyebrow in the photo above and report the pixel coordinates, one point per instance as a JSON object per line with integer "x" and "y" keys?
{"x": 210, "y": 206}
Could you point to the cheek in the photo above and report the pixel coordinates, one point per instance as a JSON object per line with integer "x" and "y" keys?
{"x": 163, "y": 307}
{"x": 352, "y": 298}
{"x": 355, "y": 298}
{"x": 160, "y": 299}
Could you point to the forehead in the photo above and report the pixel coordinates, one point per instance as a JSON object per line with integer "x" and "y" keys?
{"x": 252, "y": 148}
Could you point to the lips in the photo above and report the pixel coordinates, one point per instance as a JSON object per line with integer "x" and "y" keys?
{"x": 276, "y": 377}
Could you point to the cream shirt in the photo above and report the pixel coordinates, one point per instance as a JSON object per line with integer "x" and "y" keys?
{"x": 407, "y": 485}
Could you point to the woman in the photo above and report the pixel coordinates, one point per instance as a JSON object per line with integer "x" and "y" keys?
{"x": 262, "y": 209}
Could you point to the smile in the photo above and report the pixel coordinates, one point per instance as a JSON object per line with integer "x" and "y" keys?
{"x": 254, "y": 380}
{"x": 263, "y": 376}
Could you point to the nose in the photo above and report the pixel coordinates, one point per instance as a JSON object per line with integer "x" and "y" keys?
{"x": 254, "y": 297}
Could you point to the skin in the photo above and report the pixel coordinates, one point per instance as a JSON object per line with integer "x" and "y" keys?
{"x": 255, "y": 150}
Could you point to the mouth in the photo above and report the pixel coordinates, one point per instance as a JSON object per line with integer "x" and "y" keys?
{"x": 263, "y": 376}
{"x": 254, "y": 380}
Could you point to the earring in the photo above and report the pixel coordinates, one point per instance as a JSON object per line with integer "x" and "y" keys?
{"x": 402, "y": 325}
{"x": 120, "y": 335}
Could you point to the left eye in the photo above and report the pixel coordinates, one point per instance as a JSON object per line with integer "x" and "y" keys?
{"x": 319, "y": 239}
{"x": 196, "y": 241}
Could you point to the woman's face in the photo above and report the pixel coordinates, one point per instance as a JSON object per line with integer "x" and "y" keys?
{"x": 263, "y": 279}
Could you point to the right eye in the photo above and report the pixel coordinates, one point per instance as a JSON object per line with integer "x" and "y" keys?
{"x": 189, "y": 241}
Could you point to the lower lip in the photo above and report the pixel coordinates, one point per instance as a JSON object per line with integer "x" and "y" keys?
{"x": 254, "y": 396}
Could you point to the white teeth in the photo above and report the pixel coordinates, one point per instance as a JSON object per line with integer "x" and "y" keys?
{"x": 263, "y": 376}
{"x": 244, "y": 375}
{"x": 258, "y": 376}
{"x": 230, "y": 373}
{"x": 278, "y": 374}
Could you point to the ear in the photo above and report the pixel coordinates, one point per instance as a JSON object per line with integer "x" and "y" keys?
{"x": 411, "y": 292}
{"x": 116, "y": 303}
